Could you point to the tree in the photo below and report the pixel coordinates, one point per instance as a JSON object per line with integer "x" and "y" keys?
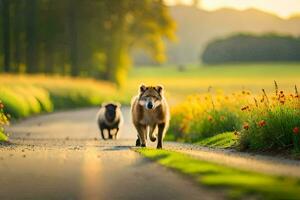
{"x": 31, "y": 36}
{"x": 83, "y": 38}
{"x": 6, "y": 34}
{"x": 253, "y": 48}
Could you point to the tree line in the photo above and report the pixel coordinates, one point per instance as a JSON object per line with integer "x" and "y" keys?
{"x": 253, "y": 48}
{"x": 81, "y": 38}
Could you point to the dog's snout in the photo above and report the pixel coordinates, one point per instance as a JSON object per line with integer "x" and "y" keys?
{"x": 150, "y": 105}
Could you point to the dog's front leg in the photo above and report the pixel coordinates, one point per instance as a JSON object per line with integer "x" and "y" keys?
{"x": 142, "y": 131}
{"x": 161, "y": 129}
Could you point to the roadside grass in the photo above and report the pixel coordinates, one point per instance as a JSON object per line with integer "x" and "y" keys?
{"x": 3, "y": 137}
{"x": 25, "y": 95}
{"x": 237, "y": 183}
{"x": 222, "y": 141}
{"x": 264, "y": 122}
{"x": 3, "y": 121}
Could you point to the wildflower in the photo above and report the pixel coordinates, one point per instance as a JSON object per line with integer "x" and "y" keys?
{"x": 246, "y": 126}
{"x": 1, "y": 105}
{"x": 222, "y": 118}
{"x": 262, "y": 123}
{"x": 245, "y": 108}
{"x": 236, "y": 133}
{"x": 296, "y": 130}
{"x": 210, "y": 118}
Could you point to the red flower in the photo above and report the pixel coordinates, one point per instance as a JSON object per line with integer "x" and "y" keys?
{"x": 262, "y": 123}
{"x": 246, "y": 126}
{"x": 296, "y": 130}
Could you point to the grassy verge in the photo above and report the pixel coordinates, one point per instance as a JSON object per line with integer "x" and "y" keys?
{"x": 3, "y": 137}
{"x": 237, "y": 183}
{"x": 223, "y": 140}
{"x": 265, "y": 122}
{"x": 25, "y": 95}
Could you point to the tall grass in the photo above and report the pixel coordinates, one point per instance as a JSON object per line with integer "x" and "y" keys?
{"x": 25, "y": 95}
{"x": 262, "y": 122}
{"x": 201, "y": 116}
{"x": 272, "y": 122}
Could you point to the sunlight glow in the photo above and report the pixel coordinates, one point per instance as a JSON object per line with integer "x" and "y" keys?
{"x": 282, "y": 8}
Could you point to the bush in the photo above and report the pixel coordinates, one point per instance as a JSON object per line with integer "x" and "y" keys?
{"x": 3, "y": 121}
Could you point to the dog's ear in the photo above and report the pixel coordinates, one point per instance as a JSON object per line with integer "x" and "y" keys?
{"x": 142, "y": 88}
{"x": 159, "y": 89}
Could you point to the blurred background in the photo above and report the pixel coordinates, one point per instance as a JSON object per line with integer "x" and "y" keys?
{"x": 110, "y": 47}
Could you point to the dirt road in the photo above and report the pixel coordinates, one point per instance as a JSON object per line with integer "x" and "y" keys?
{"x": 60, "y": 156}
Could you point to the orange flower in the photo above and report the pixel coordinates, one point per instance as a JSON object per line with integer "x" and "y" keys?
{"x": 296, "y": 130}
{"x": 262, "y": 123}
{"x": 1, "y": 105}
{"x": 246, "y": 126}
{"x": 210, "y": 118}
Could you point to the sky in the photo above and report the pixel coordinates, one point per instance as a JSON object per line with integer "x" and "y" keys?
{"x": 282, "y": 8}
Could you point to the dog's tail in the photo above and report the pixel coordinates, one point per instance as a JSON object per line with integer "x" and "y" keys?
{"x": 151, "y": 134}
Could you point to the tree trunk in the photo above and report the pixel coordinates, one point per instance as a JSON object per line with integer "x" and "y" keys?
{"x": 73, "y": 38}
{"x": 31, "y": 36}
{"x": 17, "y": 39}
{"x": 6, "y": 34}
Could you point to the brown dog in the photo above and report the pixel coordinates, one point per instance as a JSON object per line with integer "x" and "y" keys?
{"x": 150, "y": 109}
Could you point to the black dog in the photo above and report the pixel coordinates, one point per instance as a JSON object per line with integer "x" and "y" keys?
{"x": 110, "y": 118}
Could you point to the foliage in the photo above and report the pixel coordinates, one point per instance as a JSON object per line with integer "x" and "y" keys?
{"x": 272, "y": 123}
{"x": 263, "y": 122}
{"x": 28, "y": 95}
{"x": 253, "y": 48}
{"x": 202, "y": 116}
{"x": 3, "y": 121}
{"x": 238, "y": 183}
{"x": 87, "y": 38}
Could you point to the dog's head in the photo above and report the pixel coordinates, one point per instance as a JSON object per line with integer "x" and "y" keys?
{"x": 150, "y": 97}
{"x": 111, "y": 110}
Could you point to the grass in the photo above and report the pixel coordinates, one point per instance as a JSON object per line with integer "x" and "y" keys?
{"x": 237, "y": 183}
{"x": 3, "y": 137}
{"x": 229, "y": 78}
{"x": 264, "y": 122}
{"x": 222, "y": 141}
{"x": 3, "y": 121}
{"x": 25, "y": 95}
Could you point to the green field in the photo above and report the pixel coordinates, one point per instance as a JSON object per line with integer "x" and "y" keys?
{"x": 228, "y": 78}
